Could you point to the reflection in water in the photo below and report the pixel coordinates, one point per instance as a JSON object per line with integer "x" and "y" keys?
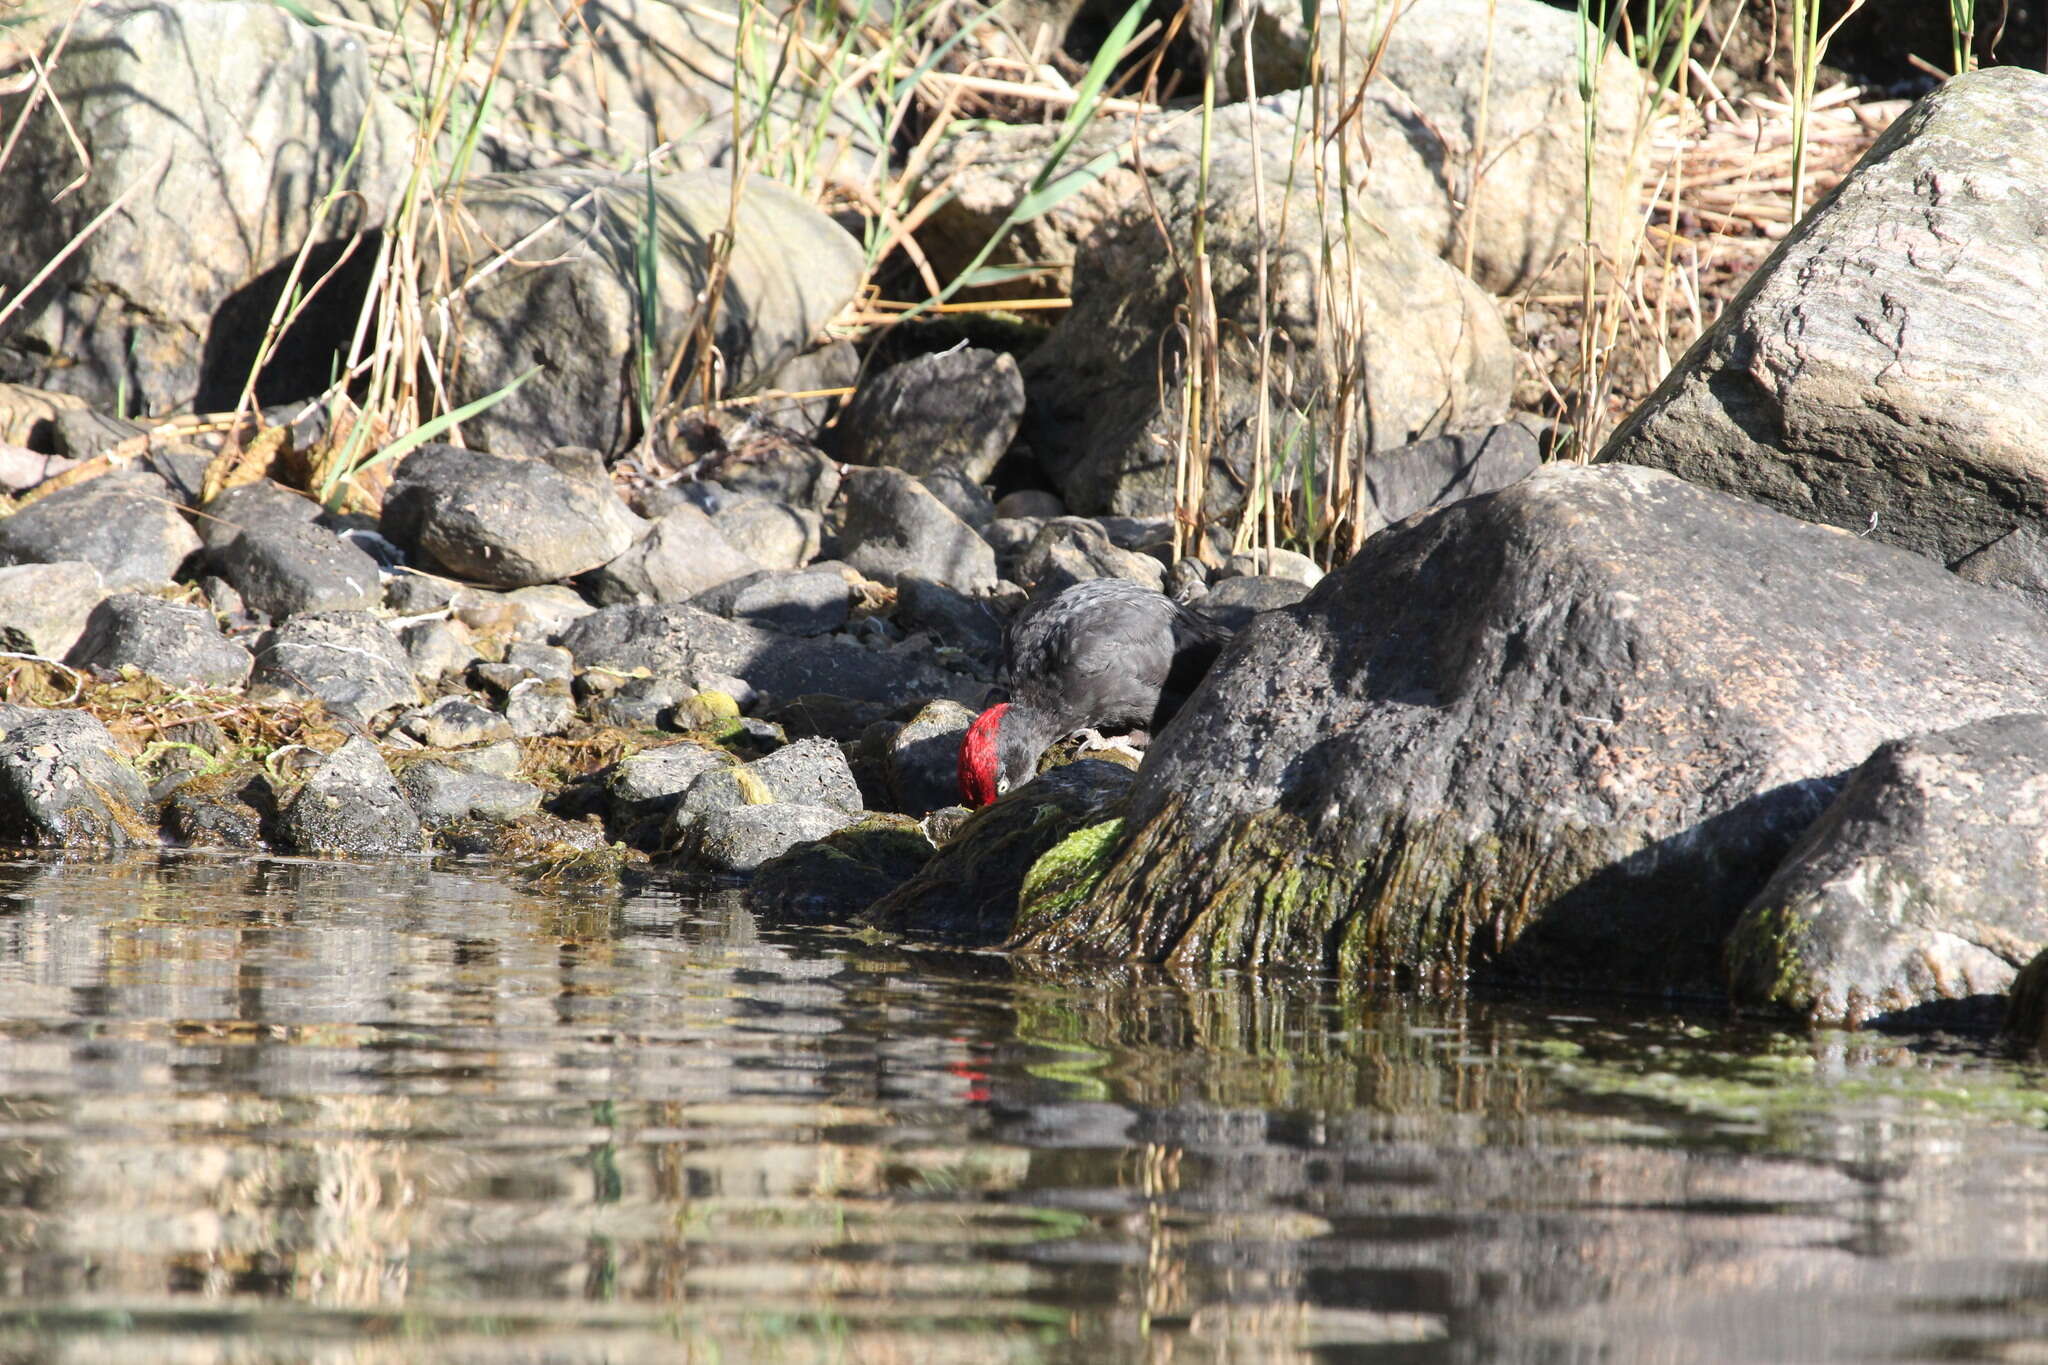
{"x": 275, "y": 1110}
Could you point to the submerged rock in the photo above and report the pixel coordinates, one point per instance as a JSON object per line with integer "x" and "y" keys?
{"x": 1525, "y": 736}
{"x": 1919, "y": 894}
{"x": 351, "y": 805}
{"x": 62, "y": 787}
{"x": 969, "y": 892}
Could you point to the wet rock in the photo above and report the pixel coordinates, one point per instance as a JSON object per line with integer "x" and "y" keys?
{"x": 682, "y": 555}
{"x": 437, "y": 649}
{"x": 1875, "y": 370}
{"x": 175, "y": 644}
{"x": 227, "y": 809}
{"x": 809, "y": 772}
{"x": 281, "y": 569}
{"x": 896, "y": 526}
{"x": 923, "y": 759}
{"x": 578, "y": 317}
{"x": 1070, "y": 550}
{"x": 957, "y": 410}
{"x": 443, "y": 793}
{"x": 351, "y": 805}
{"x": 127, "y": 528}
{"x": 773, "y": 534}
{"x": 968, "y": 893}
{"x": 539, "y": 707}
{"x": 202, "y": 120}
{"x": 1521, "y": 736}
{"x": 546, "y": 847}
{"x": 501, "y": 521}
{"x": 1918, "y": 895}
{"x": 967, "y": 624}
{"x": 345, "y": 658}
{"x": 62, "y": 787}
{"x": 1031, "y": 502}
{"x": 741, "y": 838}
{"x": 1234, "y": 601}
{"x": 43, "y": 607}
{"x": 454, "y": 723}
{"x": 684, "y": 642}
{"x": 806, "y": 602}
{"x": 831, "y": 880}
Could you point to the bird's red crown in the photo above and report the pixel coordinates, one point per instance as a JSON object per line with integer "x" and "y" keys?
{"x": 978, "y": 757}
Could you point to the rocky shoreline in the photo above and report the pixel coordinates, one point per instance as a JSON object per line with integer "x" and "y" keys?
{"x": 1751, "y": 707}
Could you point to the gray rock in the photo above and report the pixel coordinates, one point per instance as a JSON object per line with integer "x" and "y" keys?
{"x": 683, "y": 554}
{"x": 206, "y": 111}
{"x": 773, "y": 534}
{"x": 2017, "y": 562}
{"x": 1883, "y": 369}
{"x": 1918, "y": 895}
{"x": 1010, "y": 537}
{"x": 923, "y": 761}
{"x": 807, "y": 602}
{"x": 1521, "y": 736}
{"x": 967, "y": 624}
{"x": 1235, "y": 601}
{"x": 686, "y": 643}
{"x": 540, "y": 707}
{"x": 1425, "y": 475}
{"x": 126, "y": 528}
{"x": 502, "y": 758}
{"x": 282, "y": 569}
{"x": 442, "y": 793}
{"x": 43, "y": 607}
{"x": 248, "y": 507}
{"x": 345, "y": 658}
{"x": 1031, "y": 502}
{"x": 1287, "y": 564}
{"x": 351, "y": 805}
{"x": 62, "y": 787}
{"x": 809, "y": 772}
{"x": 537, "y": 613}
{"x": 454, "y": 723}
{"x": 835, "y": 365}
{"x": 578, "y": 316}
{"x": 1187, "y": 580}
{"x": 523, "y": 662}
{"x": 957, "y": 410}
{"x": 832, "y": 880}
{"x": 1070, "y": 550}
{"x": 895, "y": 526}
{"x": 175, "y": 644}
{"x": 502, "y": 522}
{"x": 741, "y": 838}
{"x": 437, "y": 649}
{"x": 782, "y": 471}
{"x": 636, "y": 703}
{"x": 965, "y": 498}
{"x": 649, "y": 783}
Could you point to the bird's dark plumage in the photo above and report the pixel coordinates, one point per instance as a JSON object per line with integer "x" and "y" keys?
{"x": 1104, "y": 654}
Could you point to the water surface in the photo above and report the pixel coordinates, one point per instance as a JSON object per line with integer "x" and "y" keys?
{"x": 275, "y": 1110}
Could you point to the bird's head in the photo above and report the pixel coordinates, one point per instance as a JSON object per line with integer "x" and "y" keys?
{"x": 999, "y": 752}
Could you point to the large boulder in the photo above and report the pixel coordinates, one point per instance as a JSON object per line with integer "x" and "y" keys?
{"x": 222, "y": 128}
{"x": 1422, "y": 347}
{"x": 504, "y": 521}
{"x": 1884, "y": 370}
{"x": 1526, "y": 735}
{"x": 578, "y": 314}
{"x": 1921, "y": 891}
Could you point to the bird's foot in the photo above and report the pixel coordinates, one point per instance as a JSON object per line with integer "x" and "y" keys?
{"x": 1093, "y": 742}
